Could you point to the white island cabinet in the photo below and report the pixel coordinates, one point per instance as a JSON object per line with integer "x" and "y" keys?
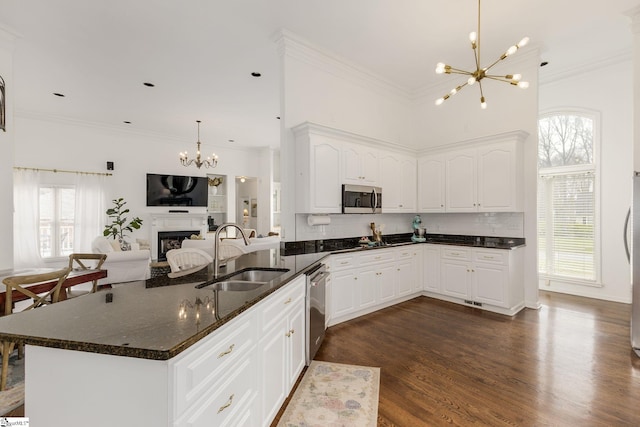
{"x": 237, "y": 375}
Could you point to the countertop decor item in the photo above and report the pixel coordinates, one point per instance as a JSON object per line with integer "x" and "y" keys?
{"x": 481, "y": 72}
{"x": 119, "y": 223}
{"x": 209, "y": 162}
{"x": 334, "y": 394}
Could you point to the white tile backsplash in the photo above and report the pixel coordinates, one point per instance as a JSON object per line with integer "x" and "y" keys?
{"x": 507, "y": 224}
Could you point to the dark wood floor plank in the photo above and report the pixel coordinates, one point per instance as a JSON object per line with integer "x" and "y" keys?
{"x": 568, "y": 363}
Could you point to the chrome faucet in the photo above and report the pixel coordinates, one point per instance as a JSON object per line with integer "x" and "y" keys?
{"x": 216, "y": 260}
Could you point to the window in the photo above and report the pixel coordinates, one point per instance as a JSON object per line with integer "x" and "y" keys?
{"x": 57, "y": 219}
{"x": 568, "y": 229}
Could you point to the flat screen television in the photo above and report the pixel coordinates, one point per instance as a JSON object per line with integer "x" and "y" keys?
{"x": 176, "y": 190}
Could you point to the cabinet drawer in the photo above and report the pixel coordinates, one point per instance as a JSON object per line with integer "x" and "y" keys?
{"x": 341, "y": 262}
{"x": 214, "y": 356}
{"x": 456, "y": 253}
{"x": 376, "y": 256}
{"x": 407, "y": 252}
{"x": 490, "y": 256}
{"x": 281, "y": 303}
{"x": 231, "y": 400}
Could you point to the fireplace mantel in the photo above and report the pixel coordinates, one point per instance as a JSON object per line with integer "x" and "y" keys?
{"x": 175, "y": 222}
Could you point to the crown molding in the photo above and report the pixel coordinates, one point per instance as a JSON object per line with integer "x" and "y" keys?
{"x": 293, "y": 46}
{"x": 331, "y": 132}
{"x": 121, "y": 130}
{"x": 515, "y": 135}
{"x": 585, "y": 67}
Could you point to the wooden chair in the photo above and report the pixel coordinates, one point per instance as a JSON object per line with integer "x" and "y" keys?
{"x": 185, "y": 261}
{"x": 80, "y": 262}
{"x": 20, "y": 284}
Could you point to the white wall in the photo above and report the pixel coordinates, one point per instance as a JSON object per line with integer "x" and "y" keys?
{"x": 6, "y": 160}
{"x": 606, "y": 92}
{"x": 56, "y": 144}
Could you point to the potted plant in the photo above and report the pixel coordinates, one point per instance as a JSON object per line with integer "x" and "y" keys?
{"x": 119, "y": 225}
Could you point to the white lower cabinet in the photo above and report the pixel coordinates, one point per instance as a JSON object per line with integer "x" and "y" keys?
{"x": 431, "y": 267}
{"x": 486, "y": 278}
{"x": 241, "y": 374}
{"x": 281, "y": 346}
{"x": 367, "y": 281}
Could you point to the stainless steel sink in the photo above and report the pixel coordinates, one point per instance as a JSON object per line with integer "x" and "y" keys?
{"x": 235, "y": 285}
{"x": 261, "y": 275}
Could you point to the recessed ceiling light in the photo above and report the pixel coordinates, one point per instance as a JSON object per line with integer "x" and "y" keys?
{"x": 278, "y": 117}
{"x": 61, "y": 95}
{"x": 255, "y": 74}
{"x": 147, "y": 84}
{"x": 232, "y": 140}
{"x": 127, "y": 122}
{"x": 543, "y": 63}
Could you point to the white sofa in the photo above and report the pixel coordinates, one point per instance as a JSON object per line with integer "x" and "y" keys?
{"x": 232, "y": 248}
{"x": 122, "y": 266}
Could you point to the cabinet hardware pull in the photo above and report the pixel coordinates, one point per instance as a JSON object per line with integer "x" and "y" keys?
{"x": 226, "y": 405}
{"x": 377, "y": 257}
{"x": 290, "y": 332}
{"x": 487, "y": 257}
{"x": 288, "y": 300}
{"x": 224, "y": 353}
{"x": 344, "y": 262}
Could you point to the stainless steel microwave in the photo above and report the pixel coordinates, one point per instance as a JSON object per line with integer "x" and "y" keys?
{"x": 361, "y": 199}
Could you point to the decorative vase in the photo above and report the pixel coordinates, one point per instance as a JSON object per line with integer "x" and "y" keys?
{"x": 124, "y": 245}
{"x": 214, "y": 190}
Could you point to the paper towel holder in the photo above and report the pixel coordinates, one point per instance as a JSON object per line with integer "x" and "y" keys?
{"x": 318, "y": 220}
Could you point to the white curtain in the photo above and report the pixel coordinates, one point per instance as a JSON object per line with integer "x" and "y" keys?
{"x": 89, "y": 213}
{"x": 26, "y": 196}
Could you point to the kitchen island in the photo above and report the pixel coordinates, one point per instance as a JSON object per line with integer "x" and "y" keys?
{"x": 162, "y": 351}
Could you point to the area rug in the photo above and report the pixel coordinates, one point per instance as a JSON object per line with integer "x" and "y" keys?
{"x": 13, "y": 396}
{"x": 334, "y": 395}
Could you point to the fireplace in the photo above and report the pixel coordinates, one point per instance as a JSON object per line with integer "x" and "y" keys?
{"x": 168, "y": 240}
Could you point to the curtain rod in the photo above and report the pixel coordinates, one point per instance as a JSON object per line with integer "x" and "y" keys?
{"x": 61, "y": 171}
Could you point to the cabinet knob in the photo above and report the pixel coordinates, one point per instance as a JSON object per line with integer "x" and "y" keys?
{"x": 288, "y": 300}
{"x": 290, "y": 332}
{"x": 226, "y": 405}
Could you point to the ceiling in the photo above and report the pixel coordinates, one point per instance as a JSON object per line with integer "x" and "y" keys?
{"x": 200, "y": 54}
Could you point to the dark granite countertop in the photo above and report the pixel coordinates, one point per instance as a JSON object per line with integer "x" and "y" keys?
{"x": 142, "y": 320}
{"x": 352, "y": 243}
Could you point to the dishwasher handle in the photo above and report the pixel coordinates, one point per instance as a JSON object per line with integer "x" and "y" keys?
{"x": 320, "y": 277}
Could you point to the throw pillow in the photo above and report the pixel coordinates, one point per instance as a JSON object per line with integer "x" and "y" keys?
{"x": 103, "y": 246}
{"x": 143, "y": 243}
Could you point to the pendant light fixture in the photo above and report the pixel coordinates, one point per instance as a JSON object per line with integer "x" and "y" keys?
{"x": 209, "y": 162}
{"x": 481, "y": 73}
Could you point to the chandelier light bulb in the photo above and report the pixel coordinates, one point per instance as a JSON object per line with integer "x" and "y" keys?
{"x": 511, "y": 50}
{"x": 440, "y": 68}
{"x": 454, "y": 91}
{"x": 439, "y": 101}
{"x": 516, "y": 77}
{"x": 523, "y": 85}
{"x": 523, "y": 42}
{"x": 473, "y": 37}
{"x": 471, "y": 81}
{"x": 483, "y": 103}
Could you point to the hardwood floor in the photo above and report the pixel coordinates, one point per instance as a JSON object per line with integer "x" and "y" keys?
{"x": 567, "y": 364}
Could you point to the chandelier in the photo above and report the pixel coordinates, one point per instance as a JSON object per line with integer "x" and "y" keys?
{"x": 481, "y": 73}
{"x": 209, "y": 162}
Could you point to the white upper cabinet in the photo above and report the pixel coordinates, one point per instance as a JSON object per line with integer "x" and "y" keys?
{"x": 360, "y": 165}
{"x": 483, "y": 176}
{"x": 431, "y": 178}
{"x": 318, "y": 182}
{"x": 398, "y": 179}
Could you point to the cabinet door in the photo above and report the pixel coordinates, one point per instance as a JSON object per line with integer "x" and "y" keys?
{"x": 273, "y": 370}
{"x": 297, "y": 344}
{"x": 460, "y": 181}
{"x": 431, "y": 187}
{"x": 391, "y": 182}
{"x": 406, "y": 276}
{"x": 370, "y": 166}
{"x": 497, "y": 178}
{"x": 367, "y": 282}
{"x": 344, "y": 285}
{"x": 385, "y": 278}
{"x": 324, "y": 191}
{"x": 351, "y": 165}
{"x": 408, "y": 185}
{"x": 454, "y": 278}
{"x": 431, "y": 268}
{"x": 490, "y": 284}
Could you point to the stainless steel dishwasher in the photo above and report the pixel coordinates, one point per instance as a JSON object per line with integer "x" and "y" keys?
{"x": 316, "y": 294}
